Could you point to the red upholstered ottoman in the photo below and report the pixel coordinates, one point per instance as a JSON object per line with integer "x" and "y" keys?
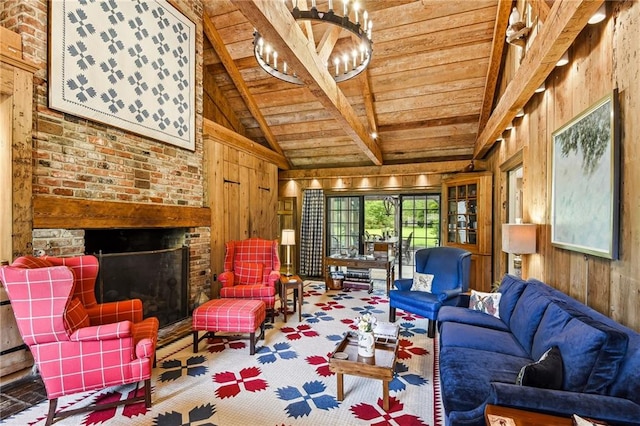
{"x": 232, "y": 315}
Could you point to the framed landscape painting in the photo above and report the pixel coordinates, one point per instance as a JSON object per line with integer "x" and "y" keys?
{"x": 585, "y": 181}
{"x": 128, "y": 64}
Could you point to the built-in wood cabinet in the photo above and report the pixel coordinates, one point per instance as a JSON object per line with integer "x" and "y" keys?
{"x": 466, "y": 201}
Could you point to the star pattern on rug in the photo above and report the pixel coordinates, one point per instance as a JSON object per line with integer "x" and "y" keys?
{"x": 341, "y": 296}
{"x": 312, "y": 392}
{"x": 403, "y": 377}
{"x": 231, "y": 385}
{"x": 406, "y": 349}
{"x": 175, "y": 368}
{"x": 321, "y": 363}
{"x": 327, "y": 306}
{"x": 409, "y": 329}
{"x": 195, "y": 415}
{"x": 375, "y": 300}
{"x": 281, "y": 350}
{"x": 376, "y": 416}
{"x": 219, "y": 344}
{"x": 316, "y": 317}
{"x": 296, "y": 333}
{"x": 129, "y": 411}
{"x": 367, "y": 309}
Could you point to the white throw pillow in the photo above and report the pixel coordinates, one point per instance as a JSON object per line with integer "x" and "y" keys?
{"x": 489, "y": 303}
{"x": 422, "y": 282}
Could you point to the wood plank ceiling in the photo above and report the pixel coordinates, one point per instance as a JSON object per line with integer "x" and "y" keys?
{"x": 428, "y": 89}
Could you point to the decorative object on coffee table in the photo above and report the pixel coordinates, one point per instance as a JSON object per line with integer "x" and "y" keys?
{"x": 366, "y": 340}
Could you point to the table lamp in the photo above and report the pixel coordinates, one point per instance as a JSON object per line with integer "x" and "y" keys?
{"x": 288, "y": 240}
{"x": 518, "y": 239}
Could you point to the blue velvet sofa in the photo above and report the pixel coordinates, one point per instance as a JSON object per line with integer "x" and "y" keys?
{"x": 481, "y": 356}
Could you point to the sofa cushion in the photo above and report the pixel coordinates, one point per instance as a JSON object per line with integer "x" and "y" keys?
{"x": 422, "y": 282}
{"x": 488, "y": 303}
{"x": 591, "y": 350}
{"x": 545, "y": 373}
{"x": 511, "y": 289}
{"x": 527, "y": 315}
{"x": 469, "y": 316}
{"x": 248, "y": 273}
{"x": 481, "y": 338}
{"x": 464, "y": 388}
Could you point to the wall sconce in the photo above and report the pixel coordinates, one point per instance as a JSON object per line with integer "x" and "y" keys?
{"x": 564, "y": 59}
{"x": 518, "y": 239}
{"x": 540, "y": 88}
{"x": 517, "y": 31}
{"x": 599, "y": 16}
{"x": 288, "y": 240}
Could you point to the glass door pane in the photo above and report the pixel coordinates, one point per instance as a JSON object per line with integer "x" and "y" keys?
{"x": 344, "y": 218}
{"x": 419, "y": 228}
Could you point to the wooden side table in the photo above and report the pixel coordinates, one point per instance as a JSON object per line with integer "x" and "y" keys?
{"x": 522, "y": 417}
{"x": 291, "y": 283}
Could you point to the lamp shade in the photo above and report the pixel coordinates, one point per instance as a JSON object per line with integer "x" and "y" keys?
{"x": 519, "y": 238}
{"x": 288, "y": 237}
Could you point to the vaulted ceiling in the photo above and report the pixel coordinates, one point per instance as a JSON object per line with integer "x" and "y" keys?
{"x": 429, "y": 92}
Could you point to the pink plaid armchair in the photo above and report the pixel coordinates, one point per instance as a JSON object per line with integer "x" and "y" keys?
{"x": 71, "y": 355}
{"x": 85, "y": 269}
{"x": 251, "y": 271}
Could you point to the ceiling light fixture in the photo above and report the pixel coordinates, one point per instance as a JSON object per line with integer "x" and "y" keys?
{"x": 564, "y": 59}
{"x": 540, "y": 88}
{"x": 520, "y": 113}
{"x": 599, "y": 16}
{"x": 343, "y": 65}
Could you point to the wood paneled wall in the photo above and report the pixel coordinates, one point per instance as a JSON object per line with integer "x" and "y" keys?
{"x": 242, "y": 193}
{"x": 602, "y": 58}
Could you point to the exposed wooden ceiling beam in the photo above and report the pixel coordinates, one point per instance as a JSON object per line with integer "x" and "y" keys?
{"x": 495, "y": 60}
{"x": 278, "y": 26}
{"x": 435, "y": 167}
{"x": 566, "y": 20}
{"x": 220, "y": 133}
{"x": 368, "y": 103}
{"x": 216, "y": 41}
{"x": 541, "y": 8}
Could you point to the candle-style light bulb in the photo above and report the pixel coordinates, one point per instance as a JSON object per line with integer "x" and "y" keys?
{"x": 284, "y": 67}
{"x": 268, "y": 48}
{"x": 261, "y": 44}
{"x": 344, "y": 9}
{"x": 362, "y": 49}
{"x": 354, "y": 54}
{"x": 313, "y": 3}
{"x": 275, "y": 60}
{"x": 345, "y": 59}
{"x": 336, "y": 62}
{"x": 365, "y": 16}
{"x": 330, "y": 4}
{"x": 356, "y": 6}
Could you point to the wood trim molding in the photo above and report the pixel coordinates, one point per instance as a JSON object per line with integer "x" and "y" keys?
{"x": 68, "y": 213}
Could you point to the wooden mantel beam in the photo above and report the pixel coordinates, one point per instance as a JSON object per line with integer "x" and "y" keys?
{"x": 276, "y": 24}
{"x": 216, "y": 41}
{"x": 565, "y": 21}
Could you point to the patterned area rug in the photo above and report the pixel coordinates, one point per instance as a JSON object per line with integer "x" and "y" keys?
{"x": 287, "y": 381}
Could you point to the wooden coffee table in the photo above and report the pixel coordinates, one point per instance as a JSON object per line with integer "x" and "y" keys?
{"x": 523, "y": 417}
{"x": 381, "y": 366}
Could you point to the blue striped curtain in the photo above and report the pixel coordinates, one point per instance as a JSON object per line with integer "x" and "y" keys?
{"x": 311, "y": 239}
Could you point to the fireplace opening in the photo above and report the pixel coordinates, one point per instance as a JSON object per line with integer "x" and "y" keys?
{"x": 147, "y": 264}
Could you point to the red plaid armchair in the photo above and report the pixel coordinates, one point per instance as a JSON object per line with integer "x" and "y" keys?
{"x": 85, "y": 270}
{"x": 71, "y": 354}
{"x": 251, "y": 271}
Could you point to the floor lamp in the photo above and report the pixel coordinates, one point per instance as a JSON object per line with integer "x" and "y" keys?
{"x": 288, "y": 240}
{"x": 518, "y": 239}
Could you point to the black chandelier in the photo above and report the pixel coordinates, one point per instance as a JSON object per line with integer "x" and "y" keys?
{"x": 344, "y": 65}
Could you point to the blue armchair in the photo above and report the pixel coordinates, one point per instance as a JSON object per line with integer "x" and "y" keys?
{"x": 450, "y": 269}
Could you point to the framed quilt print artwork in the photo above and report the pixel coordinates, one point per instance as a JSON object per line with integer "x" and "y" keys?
{"x": 128, "y": 64}
{"x": 585, "y": 181}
